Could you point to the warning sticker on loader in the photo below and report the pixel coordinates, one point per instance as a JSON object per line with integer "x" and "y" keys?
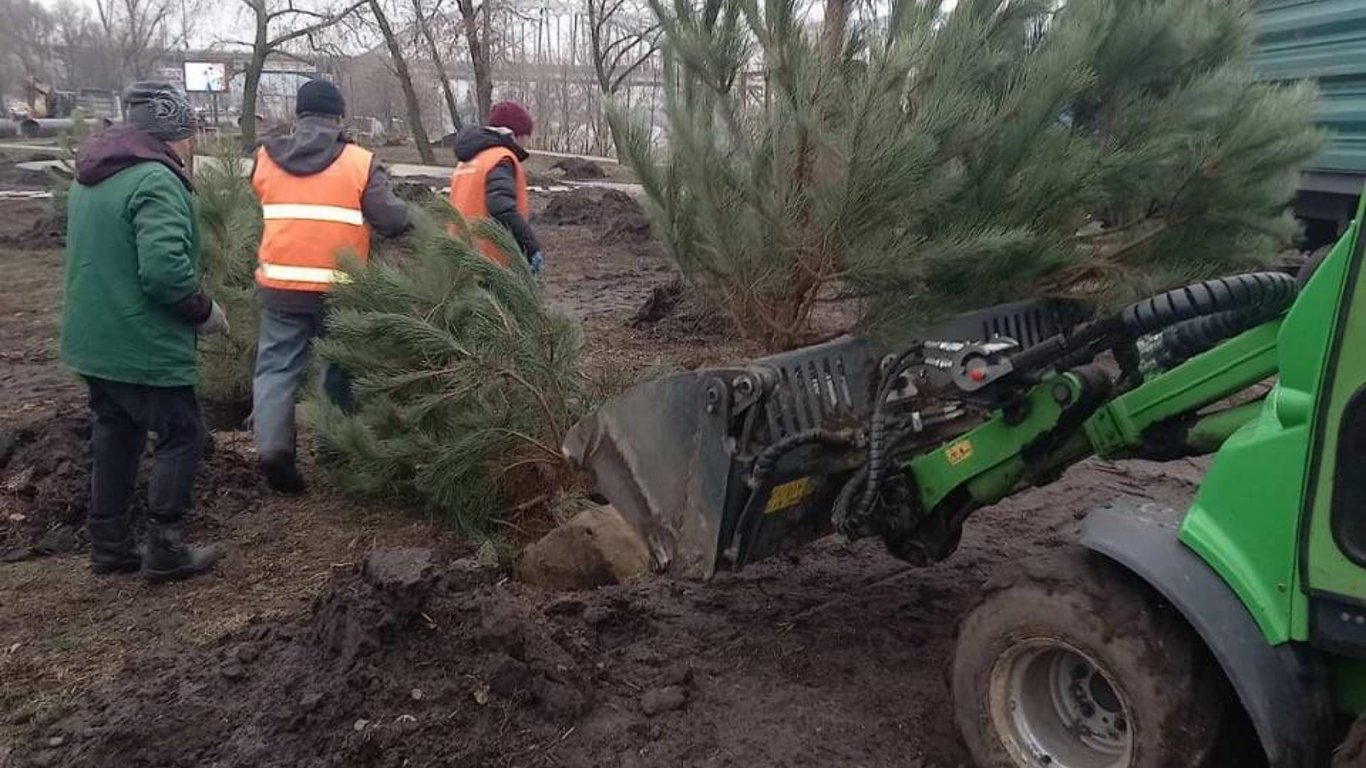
{"x": 959, "y": 452}
{"x": 788, "y": 495}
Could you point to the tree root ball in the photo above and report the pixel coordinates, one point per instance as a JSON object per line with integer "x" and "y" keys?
{"x": 595, "y": 548}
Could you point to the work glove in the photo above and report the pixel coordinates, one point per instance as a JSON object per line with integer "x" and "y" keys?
{"x": 537, "y": 263}
{"x": 217, "y": 322}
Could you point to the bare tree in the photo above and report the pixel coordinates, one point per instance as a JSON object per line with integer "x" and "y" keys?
{"x": 424, "y": 23}
{"x": 86, "y": 56}
{"x": 136, "y": 30}
{"x": 620, "y": 45}
{"x": 405, "y": 81}
{"x": 25, "y": 31}
{"x": 478, "y": 29}
{"x": 276, "y": 26}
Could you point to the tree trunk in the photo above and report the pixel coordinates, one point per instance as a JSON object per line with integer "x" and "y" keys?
{"x": 479, "y": 55}
{"x": 484, "y": 65}
{"x": 405, "y": 80}
{"x": 425, "y": 24}
{"x": 833, "y": 31}
{"x": 251, "y": 80}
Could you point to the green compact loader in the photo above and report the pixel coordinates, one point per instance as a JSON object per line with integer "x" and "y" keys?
{"x": 1165, "y": 628}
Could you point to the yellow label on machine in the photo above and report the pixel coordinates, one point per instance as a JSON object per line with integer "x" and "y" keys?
{"x": 959, "y": 452}
{"x": 787, "y": 495}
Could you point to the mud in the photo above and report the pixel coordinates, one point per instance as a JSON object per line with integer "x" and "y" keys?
{"x": 48, "y": 232}
{"x": 674, "y": 312}
{"x": 579, "y": 169}
{"x": 30, "y": 225}
{"x": 45, "y": 487}
{"x": 423, "y": 192}
{"x": 614, "y": 216}
{"x": 832, "y": 656}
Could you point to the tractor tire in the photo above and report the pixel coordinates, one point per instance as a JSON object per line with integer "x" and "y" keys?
{"x": 1073, "y": 662}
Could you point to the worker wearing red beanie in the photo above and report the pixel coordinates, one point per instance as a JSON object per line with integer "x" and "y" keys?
{"x": 490, "y": 181}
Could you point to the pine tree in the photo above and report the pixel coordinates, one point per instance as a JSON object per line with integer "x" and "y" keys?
{"x": 464, "y": 384}
{"x": 952, "y": 160}
{"x": 229, "y": 230}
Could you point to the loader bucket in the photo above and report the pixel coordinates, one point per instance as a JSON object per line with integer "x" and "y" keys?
{"x": 675, "y": 456}
{"x": 658, "y": 455}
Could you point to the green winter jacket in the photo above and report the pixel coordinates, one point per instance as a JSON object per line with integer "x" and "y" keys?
{"x": 132, "y": 275}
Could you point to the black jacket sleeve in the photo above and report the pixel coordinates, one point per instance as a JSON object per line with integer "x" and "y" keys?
{"x": 383, "y": 210}
{"x": 500, "y": 195}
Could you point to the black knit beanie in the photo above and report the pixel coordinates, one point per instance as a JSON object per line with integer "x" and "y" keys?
{"x": 319, "y": 97}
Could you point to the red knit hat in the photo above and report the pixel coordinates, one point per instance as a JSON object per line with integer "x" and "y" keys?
{"x": 512, "y": 116}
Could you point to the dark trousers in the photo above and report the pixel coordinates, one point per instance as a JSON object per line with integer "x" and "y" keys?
{"x": 282, "y": 355}
{"x": 123, "y": 414}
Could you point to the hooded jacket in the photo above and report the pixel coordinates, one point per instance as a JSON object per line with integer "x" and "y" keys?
{"x": 314, "y": 145}
{"x": 500, "y": 190}
{"x": 132, "y": 297}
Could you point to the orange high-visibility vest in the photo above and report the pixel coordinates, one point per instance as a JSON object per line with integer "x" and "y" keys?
{"x": 468, "y": 192}
{"x": 310, "y": 221}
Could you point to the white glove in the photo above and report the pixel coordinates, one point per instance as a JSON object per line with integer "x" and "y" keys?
{"x": 217, "y": 322}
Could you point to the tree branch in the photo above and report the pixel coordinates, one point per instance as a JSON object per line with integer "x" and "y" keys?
{"x": 326, "y": 22}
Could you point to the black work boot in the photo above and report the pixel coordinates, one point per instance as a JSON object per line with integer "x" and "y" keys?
{"x": 281, "y": 473}
{"x": 169, "y": 559}
{"x": 112, "y": 549}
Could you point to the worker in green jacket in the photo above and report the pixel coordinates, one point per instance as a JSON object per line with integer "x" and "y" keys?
{"x": 133, "y": 309}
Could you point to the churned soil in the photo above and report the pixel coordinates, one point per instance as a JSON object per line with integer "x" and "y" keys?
{"x": 45, "y": 487}
{"x": 835, "y": 655}
{"x": 579, "y": 169}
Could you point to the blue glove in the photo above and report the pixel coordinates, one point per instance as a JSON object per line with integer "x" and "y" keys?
{"x": 537, "y": 263}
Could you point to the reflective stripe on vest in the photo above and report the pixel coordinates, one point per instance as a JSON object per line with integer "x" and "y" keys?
{"x": 469, "y": 190}
{"x": 313, "y": 213}
{"x": 310, "y": 221}
{"x": 302, "y": 274}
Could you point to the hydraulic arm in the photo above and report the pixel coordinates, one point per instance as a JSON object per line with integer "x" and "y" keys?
{"x": 722, "y": 467}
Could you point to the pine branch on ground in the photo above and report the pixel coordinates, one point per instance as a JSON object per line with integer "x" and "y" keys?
{"x": 464, "y": 383}
{"x": 954, "y": 160}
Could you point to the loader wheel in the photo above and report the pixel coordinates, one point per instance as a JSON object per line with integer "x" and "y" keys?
{"x": 1074, "y": 663}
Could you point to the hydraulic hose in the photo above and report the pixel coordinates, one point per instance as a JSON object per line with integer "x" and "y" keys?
{"x": 1187, "y": 339}
{"x": 1196, "y": 317}
{"x": 1268, "y": 292}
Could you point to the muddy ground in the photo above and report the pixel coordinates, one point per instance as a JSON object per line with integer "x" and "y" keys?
{"x": 327, "y": 638}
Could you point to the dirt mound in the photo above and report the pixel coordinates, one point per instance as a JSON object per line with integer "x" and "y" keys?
{"x": 397, "y": 662}
{"x": 674, "y": 312}
{"x": 47, "y": 233}
{"x": 614, "y": 216}
{"x": 414, "y": 193}
{"x": 579, "y": 169}
{"x": 45, "y": 487}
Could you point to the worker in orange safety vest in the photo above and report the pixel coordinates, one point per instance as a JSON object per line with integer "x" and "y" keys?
{"x": 320, "y": 196}
{"x": 490, "y": 183}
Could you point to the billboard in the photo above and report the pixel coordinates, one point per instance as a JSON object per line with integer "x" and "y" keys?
{"x": 206, "y": 76}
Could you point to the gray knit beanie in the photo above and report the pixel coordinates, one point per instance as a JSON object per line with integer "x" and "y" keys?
{"x": 160, "y": 109}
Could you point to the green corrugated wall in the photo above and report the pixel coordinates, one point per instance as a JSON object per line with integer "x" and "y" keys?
{"x": 1324, "y": 40}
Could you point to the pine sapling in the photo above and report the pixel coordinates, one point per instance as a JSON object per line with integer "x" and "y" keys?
{"x": 464, "y": 383}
